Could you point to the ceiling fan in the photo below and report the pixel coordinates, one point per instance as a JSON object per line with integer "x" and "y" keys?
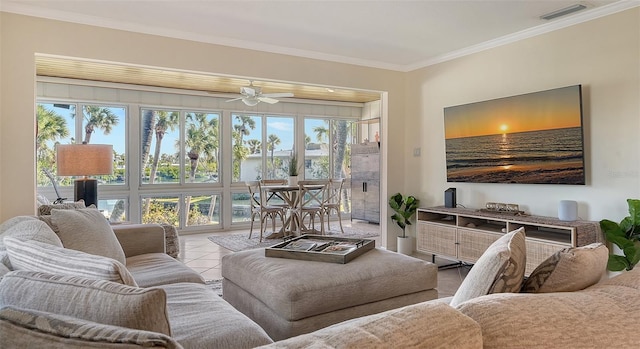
{"x": 252, "y": 95}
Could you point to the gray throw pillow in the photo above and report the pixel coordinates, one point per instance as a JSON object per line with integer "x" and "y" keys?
{"x": 38, "y": 256}
{"x": 99, "y": 301}
{"x": 500, "y": 269}
{"x": 87, "y": 230}
{"x": 570, "y": 269}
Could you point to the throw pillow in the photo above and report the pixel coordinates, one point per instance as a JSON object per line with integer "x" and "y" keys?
{"x": 38, "y": 256}
{"x": 87, "y": 230}
{"x": 31, "y": 230}
{"x": 570, "y": 269}
{"x": 99, "y": 301}
{"x": 13, "y": 221}
{"x": 44, "y": 210}
{"x": 26, "y": 328}
{"x": 25, "y": 228}
{"x": 499, "y": 269}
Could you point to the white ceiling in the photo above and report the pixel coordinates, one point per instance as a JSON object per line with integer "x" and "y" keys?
{"x": 398, "y": 35}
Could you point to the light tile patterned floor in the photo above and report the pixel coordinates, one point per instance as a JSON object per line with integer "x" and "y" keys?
{"x": 204, "y": 256}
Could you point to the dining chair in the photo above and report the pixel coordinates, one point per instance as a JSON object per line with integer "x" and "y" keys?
{"x": 311, "y": 196}
{"x": 274, "y": 198}
{"x": 261, "y": 209}
{"x": 333, "y": 201}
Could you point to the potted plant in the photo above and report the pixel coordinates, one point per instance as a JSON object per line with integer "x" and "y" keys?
{"x": 404, "y": 208}
{"x": 626, "y": 236}
{"x": 293, "y": 169}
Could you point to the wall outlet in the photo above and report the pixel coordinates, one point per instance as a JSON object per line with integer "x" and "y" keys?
{"x": 416, "y": 151}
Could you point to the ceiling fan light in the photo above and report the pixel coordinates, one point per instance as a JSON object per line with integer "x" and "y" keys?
{"x": 250, "y": 101}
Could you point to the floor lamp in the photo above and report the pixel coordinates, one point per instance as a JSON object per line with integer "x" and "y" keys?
{"x": 84, "y": 160}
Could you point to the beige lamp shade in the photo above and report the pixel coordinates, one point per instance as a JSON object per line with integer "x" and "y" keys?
{"x": 84, "y": 159}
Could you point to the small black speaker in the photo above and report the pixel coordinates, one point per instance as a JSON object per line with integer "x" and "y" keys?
{"x": 450, "y": 197}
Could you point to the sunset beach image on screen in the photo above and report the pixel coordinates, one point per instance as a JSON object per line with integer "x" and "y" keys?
{"x": 535, "y": 138}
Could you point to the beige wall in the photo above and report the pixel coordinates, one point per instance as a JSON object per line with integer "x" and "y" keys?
{"x": 23, "y": 37}
{"x": 603, "y": 55}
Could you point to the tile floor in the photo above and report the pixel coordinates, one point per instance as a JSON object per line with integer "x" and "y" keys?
{"x": 204, "y": 256}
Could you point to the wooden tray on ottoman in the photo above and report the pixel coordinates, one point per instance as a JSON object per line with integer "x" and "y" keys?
{"x": 320, "y": 248}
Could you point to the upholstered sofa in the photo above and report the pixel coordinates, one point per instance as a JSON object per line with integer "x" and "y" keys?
{"x": 55, "y": 295}
{"x": 42, "y": 308}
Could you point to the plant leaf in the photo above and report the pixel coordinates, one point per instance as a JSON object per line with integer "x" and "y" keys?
{"x": 617, "y": 263}
{"x": 634, "y": 211}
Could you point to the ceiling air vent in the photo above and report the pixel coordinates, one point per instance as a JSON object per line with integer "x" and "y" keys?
{"x": 563, "y": 12}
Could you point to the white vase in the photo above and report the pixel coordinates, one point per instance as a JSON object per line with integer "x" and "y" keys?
{"x": 293, "y": 180}
{"x": 405, "y": 245}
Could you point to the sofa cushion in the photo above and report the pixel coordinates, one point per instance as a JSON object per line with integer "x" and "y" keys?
{"x": 201, "y": 319}
{"x": 87, "y": 230}
{"x": 499, "y": 269}
{"x": 152, "y": 269}
{"x": 99, "y": 301}
{"x": 38, "y": 256}
{"x": 26, "y": 328}
{"x": 570, "y": 269}
{"x": 423, "y": 325}
{"x": 591, "y": 318}
{"x": 25, "y": 228}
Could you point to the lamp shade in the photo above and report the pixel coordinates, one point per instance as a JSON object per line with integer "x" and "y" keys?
{"x": 84, "y": 159}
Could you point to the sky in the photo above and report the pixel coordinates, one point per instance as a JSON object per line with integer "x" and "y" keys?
{"x": 552, "y": 109}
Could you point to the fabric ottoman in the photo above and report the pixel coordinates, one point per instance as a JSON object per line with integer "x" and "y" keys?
{"x": 288, "y": 297}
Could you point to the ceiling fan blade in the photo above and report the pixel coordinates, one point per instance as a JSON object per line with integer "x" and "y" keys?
{"x": 268, "y": 100}
{"x": 235, "y": 99}
{"x": 278, "y": 95}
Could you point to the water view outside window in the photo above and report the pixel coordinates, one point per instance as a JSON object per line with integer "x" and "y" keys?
{"x": 115, "y": 210}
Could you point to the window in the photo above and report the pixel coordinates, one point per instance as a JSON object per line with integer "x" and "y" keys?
{"x": 178, "y": 157}
{"x": 247, "y": 147}
{"x": 55, "y": 125}
{"x": 202, "y": 147}
{"x": 159, "y": 144}
{"x": 327, "y": 147}
{"x": 99, "y": 124}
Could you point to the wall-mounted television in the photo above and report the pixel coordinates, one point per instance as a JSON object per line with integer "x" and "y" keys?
{"x": 535, "y": 138}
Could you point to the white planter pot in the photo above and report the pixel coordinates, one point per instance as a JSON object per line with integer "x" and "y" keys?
{"x": 405, "y": 245}
{"x": 293, "y": 180}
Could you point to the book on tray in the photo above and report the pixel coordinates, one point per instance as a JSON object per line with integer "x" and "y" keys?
{"x": 320, "y": 246}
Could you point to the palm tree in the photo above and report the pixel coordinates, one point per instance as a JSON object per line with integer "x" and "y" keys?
{"x": 254, "y": 146}
{"x": 165, "y": 121}
{"x": 321, "y": 132}
{"x": 247, "y": 123}
{"x": 51, "y": 127}
{"x": 148, "y": 124}
{"x": 98, "y": 117}
{"x": 272, "y": 141}
{"x": 342, "y": 133}
{"x": 202, "y": 139}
